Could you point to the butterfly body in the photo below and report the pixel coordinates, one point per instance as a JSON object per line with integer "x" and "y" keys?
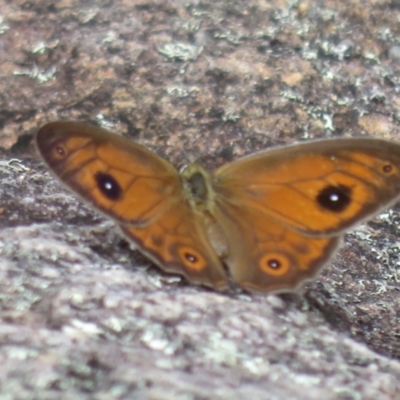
{"x": 268, "y": 221}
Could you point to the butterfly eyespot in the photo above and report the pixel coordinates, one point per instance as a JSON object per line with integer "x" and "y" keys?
{"x": 108, "y": 186}
{"x": 274, "y": 264}
{"x": 334, "y": 198}
{"x": 387, "y": 168}
{"x": 60, "y": 151}
{"x": 192, "y": 259}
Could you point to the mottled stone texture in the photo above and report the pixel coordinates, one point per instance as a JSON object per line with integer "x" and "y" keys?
{"x": 82, "y": 316}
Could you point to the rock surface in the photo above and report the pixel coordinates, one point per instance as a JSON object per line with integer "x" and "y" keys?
{"x": 84, "y": 316}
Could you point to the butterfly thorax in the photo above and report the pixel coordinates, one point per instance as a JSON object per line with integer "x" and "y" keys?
{"x": 198, "y": 188}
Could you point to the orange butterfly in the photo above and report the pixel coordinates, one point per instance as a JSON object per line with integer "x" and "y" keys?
{"x": 268, "y": 221}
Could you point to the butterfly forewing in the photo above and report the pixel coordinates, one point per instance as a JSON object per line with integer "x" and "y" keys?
{"x": 317, "y": 188}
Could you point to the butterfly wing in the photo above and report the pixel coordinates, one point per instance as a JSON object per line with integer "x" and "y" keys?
{"x": 283, "y": 211}
{"x": 316, "y": 188}
{"x": 270, "y": 256}
{"x": 176, "y": 241}
{"x": 138, "y": 189}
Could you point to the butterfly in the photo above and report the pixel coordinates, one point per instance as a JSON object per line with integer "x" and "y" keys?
{"x": 266, "y": 222}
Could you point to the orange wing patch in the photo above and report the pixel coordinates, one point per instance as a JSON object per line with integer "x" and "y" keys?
{"x": 176, "y": 241}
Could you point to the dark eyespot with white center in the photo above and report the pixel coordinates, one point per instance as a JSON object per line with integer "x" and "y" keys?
{"x": 334, "y": 198}
{"x": 274, "y": 263}
{"x": 60, "y": 150}
{"x": 108, "y": 186}
{"x": 387, "y": 168}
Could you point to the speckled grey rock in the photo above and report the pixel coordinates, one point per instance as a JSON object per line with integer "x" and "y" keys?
{"x": 82, "y": 315}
